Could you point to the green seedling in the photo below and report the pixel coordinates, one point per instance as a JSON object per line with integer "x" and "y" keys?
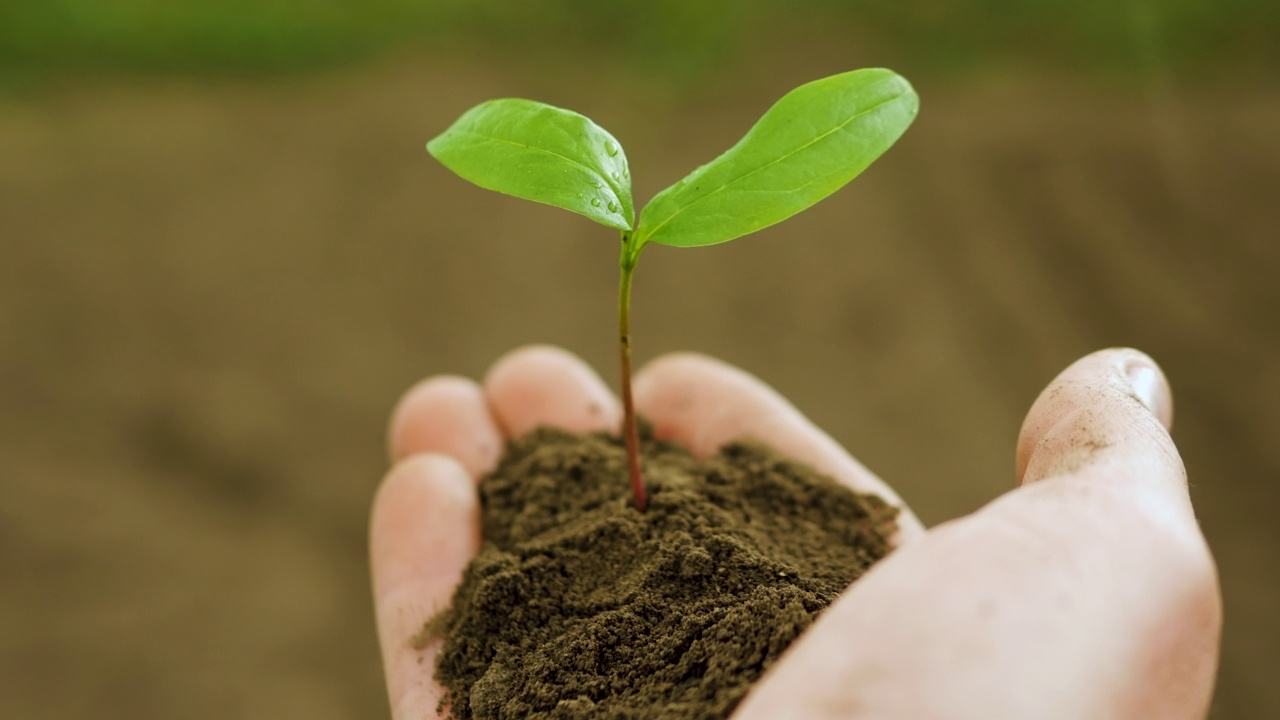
{"x": 808, "y": 145}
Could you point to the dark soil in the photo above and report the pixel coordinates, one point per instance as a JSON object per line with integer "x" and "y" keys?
{"x": 578, "y": 606}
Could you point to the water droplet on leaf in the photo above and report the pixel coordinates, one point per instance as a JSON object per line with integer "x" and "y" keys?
{"x": 611, "y": 147}
{"x": 595, "y": 202}
{"x": 613, "y": 206}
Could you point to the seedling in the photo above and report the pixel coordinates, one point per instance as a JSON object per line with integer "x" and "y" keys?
{"x": 808, "y": 145}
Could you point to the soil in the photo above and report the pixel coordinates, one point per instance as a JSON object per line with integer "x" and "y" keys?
{"x": 578, "y": 606}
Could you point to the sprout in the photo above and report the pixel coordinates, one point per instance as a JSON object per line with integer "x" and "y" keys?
{"x": 808, "y": 145}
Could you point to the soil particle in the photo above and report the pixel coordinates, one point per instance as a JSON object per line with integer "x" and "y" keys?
{"x": 577, "y": 606}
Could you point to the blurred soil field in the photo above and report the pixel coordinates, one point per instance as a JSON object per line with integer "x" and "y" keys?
{"x": 213, "y": 291}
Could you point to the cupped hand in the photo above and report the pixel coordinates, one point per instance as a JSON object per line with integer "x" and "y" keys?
{"x": 1086, "y": 592}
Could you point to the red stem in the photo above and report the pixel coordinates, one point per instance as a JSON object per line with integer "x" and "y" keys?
{"x": 629, "y": 432}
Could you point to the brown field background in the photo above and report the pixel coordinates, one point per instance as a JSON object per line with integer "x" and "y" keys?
{"x": 212, "y": 291}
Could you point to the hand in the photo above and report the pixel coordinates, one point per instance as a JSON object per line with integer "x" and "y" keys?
{"x": 1086, "y": 592}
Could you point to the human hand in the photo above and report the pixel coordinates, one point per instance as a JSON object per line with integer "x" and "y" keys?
{"x": 1087, "y": 592}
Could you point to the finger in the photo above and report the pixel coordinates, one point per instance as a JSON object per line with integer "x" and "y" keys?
{"x": 424, "y": 530}
{"x": 446, "y": 414}
{"x": 702, "y": 403}
{"x": 1087, "y": 593}
{"x": 542, "y": 385}
{"x": 1098, "y": 412}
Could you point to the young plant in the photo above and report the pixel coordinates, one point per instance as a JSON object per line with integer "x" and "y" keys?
{"x": 808, "y": 145}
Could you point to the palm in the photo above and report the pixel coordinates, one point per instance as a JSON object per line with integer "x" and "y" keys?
{"x": 1086, "y": 593}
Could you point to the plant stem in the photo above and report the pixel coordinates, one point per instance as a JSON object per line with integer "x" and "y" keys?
{"x": 628, "y": 266}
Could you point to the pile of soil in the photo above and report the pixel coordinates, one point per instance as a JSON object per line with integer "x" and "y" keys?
{"x": 578, "y": 606}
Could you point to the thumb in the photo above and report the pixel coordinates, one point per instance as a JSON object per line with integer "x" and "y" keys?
{"x": 1107, "y": 414}
{"x": 1086, "y": 593}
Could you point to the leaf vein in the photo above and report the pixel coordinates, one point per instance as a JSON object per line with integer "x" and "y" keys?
{"x": 552, "y": 153}
{"x": 769, "y": 164}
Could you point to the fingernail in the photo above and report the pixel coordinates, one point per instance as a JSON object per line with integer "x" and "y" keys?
{"x": 1148, "y": 386}
{"x": 1143, "y": 379}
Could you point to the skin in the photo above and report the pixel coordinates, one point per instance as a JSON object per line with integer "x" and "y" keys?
{"x": 1087, "y": 592}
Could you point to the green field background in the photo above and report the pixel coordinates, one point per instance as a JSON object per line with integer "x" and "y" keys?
{"x": 669, "y": 37}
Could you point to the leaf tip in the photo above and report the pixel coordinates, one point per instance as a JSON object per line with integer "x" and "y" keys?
{"x": 433, "y": 145}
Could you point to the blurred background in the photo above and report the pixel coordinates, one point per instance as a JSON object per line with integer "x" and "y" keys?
{"x": 224, "y": 253}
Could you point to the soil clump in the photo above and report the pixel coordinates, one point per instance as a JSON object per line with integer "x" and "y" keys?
{"x": 577, "y": 606}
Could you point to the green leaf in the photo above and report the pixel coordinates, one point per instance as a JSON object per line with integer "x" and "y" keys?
{"x": 541, "y": 153}
{"x": 808, "y": 145}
